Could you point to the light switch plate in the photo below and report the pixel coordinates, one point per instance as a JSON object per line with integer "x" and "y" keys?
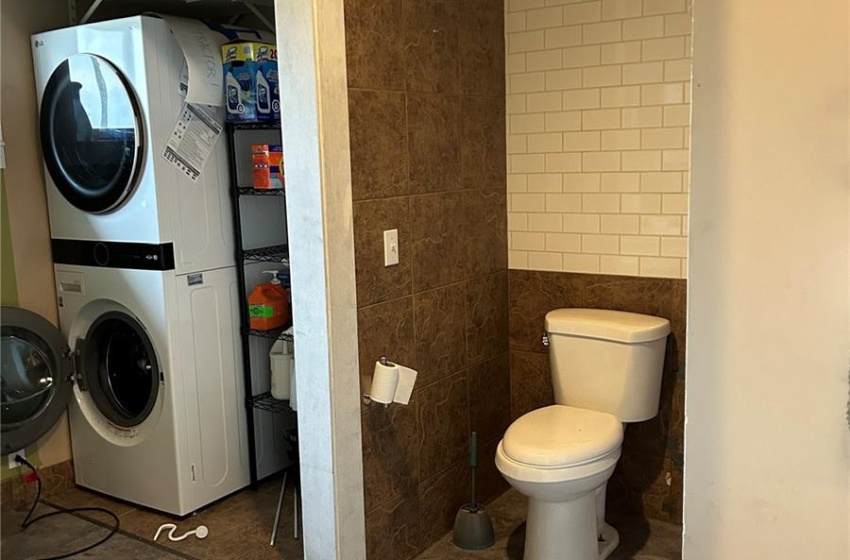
{"x": 391, "y": 247}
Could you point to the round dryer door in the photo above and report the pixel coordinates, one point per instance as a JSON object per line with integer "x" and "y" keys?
{"x": 119, "y": 369}
{"x": 36, "y": 377}
{"x": 91, "y": 135}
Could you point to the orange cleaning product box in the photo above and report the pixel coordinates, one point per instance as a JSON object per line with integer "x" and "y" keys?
{"x": 267, "y": 162}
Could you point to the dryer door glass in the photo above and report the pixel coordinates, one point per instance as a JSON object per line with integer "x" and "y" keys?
{"x": 36, "y": 377}
{"x": 29, "y": 382}
{"x": 120, "y": 369}
{"x": 90, "y": 133}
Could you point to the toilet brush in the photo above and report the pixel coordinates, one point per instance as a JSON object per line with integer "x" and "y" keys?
{"x": 473, "y": 528}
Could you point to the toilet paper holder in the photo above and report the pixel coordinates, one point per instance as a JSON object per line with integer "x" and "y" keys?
{"x": 390, "y": 382}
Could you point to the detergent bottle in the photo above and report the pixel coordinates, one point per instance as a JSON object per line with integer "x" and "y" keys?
{"x": 233, "y": 95}
{"x": 268, "y": 304}
{"x": 281, "y": 361}
{"x": 264, "y": 103}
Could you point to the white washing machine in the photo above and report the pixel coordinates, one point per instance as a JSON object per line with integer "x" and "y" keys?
{"x": 144, "y": 261}
{"x": 109, "y": 96}
{"x": 157, "y": 409}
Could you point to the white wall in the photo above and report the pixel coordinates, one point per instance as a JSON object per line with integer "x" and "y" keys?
{"x": 311, "y": 40}
{"x": 598, "y": 112}
{"x": 767, "y": 453}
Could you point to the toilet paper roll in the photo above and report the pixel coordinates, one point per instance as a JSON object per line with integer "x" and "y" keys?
{"x": 406, "y": 380}
{"x": 384, "y": 382}
{"x": 392, "y": 383}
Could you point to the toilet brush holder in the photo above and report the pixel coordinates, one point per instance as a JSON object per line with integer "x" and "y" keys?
{"x": 473, "y": 529}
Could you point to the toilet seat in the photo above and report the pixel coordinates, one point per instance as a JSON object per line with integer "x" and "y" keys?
{"x": 560, "y": 443}
{"x": 562, "y": 436}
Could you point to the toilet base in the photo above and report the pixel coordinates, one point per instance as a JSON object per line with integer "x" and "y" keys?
{"x": 567, "y": 530}
{"x": 609, "y": 538}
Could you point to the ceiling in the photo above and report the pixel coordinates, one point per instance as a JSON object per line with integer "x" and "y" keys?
{"x": 213, "y": 10}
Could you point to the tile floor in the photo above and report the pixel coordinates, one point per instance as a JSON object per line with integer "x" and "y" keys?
{"x": 66, "y": 533}
{"x": 240, "y": 527}
{"x": 639, "y": 539}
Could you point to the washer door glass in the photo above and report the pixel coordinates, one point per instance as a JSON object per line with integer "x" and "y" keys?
{"x": 90, "y": 133}
{"x": 120, "y": 369}
{"x": 36, "y": 376}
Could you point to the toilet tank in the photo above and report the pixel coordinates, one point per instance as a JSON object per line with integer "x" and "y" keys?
{"x": 609, "y": 361}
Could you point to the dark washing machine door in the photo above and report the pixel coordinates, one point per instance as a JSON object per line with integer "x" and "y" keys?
{"x": 91, "y": 133}
{"x": 36, "y": 377}
{"x": 119, "y": 369}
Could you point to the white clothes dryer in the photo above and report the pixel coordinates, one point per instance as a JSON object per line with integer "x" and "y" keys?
{"x": 156, "y": 410}
{"x": 110, "y": 95}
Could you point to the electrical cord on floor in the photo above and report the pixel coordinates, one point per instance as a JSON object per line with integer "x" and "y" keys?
{"x": 27, "y": 521}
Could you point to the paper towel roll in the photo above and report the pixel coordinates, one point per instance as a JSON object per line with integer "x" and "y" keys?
{"x": 384, "y": 382}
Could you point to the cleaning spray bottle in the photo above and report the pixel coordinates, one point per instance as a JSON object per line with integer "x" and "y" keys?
{"x": 268, "y": 304}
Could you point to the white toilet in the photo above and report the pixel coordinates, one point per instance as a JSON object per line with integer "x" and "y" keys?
{"x": 606, "y": 370}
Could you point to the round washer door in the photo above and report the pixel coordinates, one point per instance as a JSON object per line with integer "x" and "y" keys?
{"x": 91, "y": 135}
{"x": 36, "y": 377}
{"x": 119, "y": 369}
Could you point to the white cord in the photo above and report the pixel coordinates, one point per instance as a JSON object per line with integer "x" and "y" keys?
{"x": 201, "y": 532}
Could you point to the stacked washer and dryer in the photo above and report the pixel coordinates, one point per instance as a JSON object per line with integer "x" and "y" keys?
{"x": 145, "y": 271}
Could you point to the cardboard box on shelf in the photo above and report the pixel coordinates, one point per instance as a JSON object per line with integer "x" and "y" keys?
{"x": 268, "y": 166}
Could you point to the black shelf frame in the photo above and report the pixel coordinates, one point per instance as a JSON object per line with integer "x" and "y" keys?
{"x": 251, "y": 191}
{"x": 276, "y": 253}
{"x": 259, "y": 125}
{"x": 274, "y": 334}
{"x": 265, "y": 401}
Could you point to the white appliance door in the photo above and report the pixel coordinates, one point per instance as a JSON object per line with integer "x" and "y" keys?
{"x": 91, "y": 134}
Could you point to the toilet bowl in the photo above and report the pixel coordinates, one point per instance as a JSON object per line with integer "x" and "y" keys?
{"x": 561, "y": 458}
{"x": 606, "y": 370}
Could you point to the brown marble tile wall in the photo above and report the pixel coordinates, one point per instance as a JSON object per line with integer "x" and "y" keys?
{"x": 652, "y": 448}
{"x": 427, "y": 121}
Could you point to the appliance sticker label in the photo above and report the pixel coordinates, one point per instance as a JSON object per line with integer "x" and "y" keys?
{"x": 260, "y": 311}
{"x": 71, "y": 287}
{"x": 183, "y": 83}
{"x": 201, "y": 48}
{"x": 70, "y": 283}
{"x": 192, "y": 139}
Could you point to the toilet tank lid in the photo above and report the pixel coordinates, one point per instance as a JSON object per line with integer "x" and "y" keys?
{"x": 619, "y": 326}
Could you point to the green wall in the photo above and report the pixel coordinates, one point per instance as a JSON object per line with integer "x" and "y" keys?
{"x": 8, "y": 283}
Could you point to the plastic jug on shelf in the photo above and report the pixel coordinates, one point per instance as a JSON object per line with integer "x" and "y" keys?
{"x": 281, "y": 361}
{"x": 268, "y": 304}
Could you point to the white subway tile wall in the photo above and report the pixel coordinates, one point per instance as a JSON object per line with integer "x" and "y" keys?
{"x": 598, "y": 105}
